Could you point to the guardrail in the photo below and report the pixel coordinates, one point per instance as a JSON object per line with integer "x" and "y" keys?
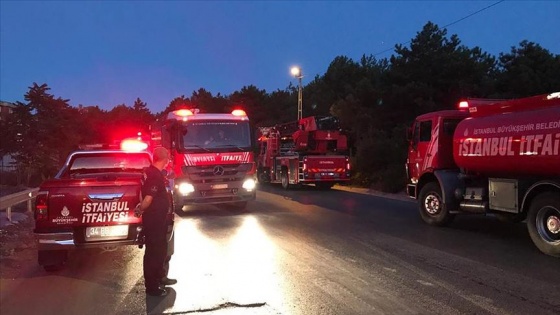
{"x": 7, "y": 202}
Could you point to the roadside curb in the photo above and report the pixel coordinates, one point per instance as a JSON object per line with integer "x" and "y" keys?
{"x": 367, "y": 191}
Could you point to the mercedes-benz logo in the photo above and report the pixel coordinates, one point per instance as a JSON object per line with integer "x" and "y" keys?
{"x": 218, "y": 170}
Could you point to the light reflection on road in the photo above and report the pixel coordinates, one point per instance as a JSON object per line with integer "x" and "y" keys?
{"x": 233, "y": 264}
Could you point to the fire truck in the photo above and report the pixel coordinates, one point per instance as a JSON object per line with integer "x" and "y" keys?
{"x": 312, "y": 150}
{"x": 211, "y": 157}
{"x": 491, "y": 156}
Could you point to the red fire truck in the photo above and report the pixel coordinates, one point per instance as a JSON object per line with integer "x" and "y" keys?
{"x": 500, "y": 157}
{"x": 312, "y": 150}
{"x": 211, "y": 157}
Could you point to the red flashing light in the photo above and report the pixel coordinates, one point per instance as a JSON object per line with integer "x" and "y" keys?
{"x": 133, "y": 145}
{"x": 184, "y": 112}
{"x": 238, "y": 112}
{"x": 463, "y": 104}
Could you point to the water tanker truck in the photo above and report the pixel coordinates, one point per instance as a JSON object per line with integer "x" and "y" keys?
{"x": 490, "y": 156}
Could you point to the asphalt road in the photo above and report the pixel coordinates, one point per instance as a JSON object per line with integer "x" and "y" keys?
{"x": 308, "y": 252}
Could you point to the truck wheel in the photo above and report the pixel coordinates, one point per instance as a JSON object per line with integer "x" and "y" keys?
{"x": 543, "y": 223}
{"x": 285, "y": 180}
{"x": 432, "y": 209}
{"x": 52, "y": 260}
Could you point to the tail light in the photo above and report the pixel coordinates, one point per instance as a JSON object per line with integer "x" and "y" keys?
{"x": 304, "y": 164}
{"x": 41, "y": 208}
{"x": 347, "y": 164}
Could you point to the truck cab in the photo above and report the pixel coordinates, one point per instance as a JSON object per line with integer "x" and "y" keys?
{"x": 430, "y": 146}
{"x": 212, "y": 159}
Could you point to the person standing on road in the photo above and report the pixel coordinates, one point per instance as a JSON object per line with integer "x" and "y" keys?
{"x": 153, "y": 208}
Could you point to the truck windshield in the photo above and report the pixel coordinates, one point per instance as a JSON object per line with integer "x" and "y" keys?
{"x": 216, "y": 136}
{"x": 104, "y": 162}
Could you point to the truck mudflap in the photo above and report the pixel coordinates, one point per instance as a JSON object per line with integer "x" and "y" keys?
{"x": 450, "y": 182}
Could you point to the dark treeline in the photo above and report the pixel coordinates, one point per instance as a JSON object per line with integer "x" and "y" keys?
{"x": 375, "y": 100}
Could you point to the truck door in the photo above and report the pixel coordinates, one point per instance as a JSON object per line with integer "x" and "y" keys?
{"x": 419, "y": 149}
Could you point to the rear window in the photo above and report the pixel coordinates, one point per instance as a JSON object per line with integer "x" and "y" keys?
{"x": 109, "y": 163}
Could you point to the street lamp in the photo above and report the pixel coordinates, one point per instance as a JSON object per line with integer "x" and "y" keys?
{"x": 296, "y": 72}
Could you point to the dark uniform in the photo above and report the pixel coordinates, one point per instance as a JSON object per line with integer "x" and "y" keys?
{"x": 155, "y": 227}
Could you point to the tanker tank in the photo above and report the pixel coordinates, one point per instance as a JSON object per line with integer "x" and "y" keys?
{"x": 510, "y": 142}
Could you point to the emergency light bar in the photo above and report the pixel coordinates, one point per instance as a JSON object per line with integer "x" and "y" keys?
{"x": 193, "y": 114}
{"x": 238, "y": 112}
{"x": 184, "y": 112}
{"x": 133, "y": 145}
{"x": 474, "y": 102}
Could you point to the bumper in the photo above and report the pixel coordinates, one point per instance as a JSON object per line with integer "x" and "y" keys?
{"x": 76, "y": 239}
{"x": 214, "y": 198}
{"x": 65, "y": 241}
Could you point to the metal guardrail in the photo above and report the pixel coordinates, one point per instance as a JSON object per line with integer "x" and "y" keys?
{"x": 7, "y": 202}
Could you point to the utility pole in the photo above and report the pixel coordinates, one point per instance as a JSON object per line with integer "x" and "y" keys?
{"x": 296, "y": 72}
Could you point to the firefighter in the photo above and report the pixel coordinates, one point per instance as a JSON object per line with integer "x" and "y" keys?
{"x": 153, "y": 208}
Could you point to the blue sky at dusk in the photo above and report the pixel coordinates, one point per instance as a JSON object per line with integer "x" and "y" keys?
{"x": 108, "y": 53}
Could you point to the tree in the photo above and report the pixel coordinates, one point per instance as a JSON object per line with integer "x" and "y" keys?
{"x": 434, "y": 73}
{"x": 45, "y": 129}
{"x": 528, "y": 70}
{"x": 252, "y": 100}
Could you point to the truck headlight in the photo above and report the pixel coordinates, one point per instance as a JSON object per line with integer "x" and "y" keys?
{"x": 185, "y": 188}
{"x": 249, "y": 184}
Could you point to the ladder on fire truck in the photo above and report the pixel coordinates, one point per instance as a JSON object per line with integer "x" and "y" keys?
{"x": 274, "y": 137}
{"x": 300, "y": 170}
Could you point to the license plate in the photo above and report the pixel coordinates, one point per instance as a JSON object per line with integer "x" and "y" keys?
{"x": 219, "y": 186}
{"x": 116, "y": 232}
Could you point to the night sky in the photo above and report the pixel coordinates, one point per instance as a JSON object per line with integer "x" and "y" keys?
{"x": 108, "y": 53}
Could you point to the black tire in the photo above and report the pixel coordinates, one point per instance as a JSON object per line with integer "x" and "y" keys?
{"x": 510, "y": 217}
{"x": 543, "y": 223}
{"x": 285, "y": 179}
{"x": 431, "y": 206}
{"x": 324, "y": 185}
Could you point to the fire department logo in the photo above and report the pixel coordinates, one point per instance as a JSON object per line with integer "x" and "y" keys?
{"x": 65, "y": 212}
{"x": 218, "y": 170}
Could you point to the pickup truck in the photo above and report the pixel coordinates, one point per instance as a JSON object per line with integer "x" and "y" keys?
{"x": 90, "y": 203}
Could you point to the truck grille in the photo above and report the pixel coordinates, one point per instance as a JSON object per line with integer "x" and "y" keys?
{"x": 216, "y": 173}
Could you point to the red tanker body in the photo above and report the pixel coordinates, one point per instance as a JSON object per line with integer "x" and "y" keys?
{"x": 500, "y": 157}
{"x": 519, "y": 143}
